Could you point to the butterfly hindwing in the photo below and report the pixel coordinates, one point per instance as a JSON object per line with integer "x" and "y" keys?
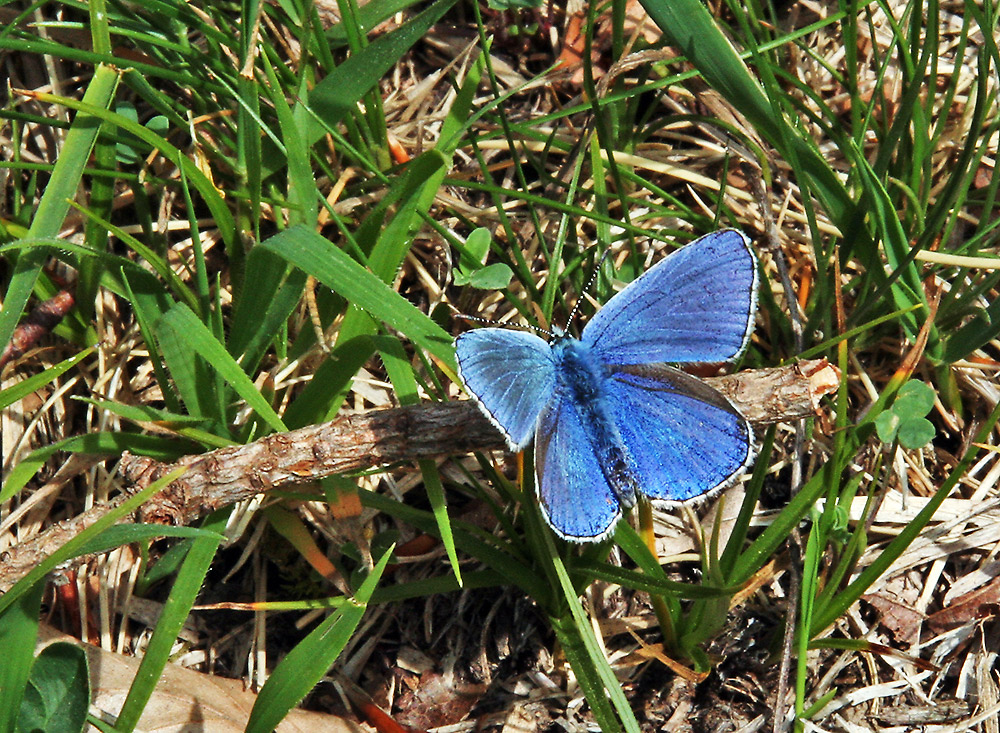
{"x": 573, "y": 494}
{"x": 511, "y": 374}
{"x": 685, "y": 438}
{"x": 695, "y": 305}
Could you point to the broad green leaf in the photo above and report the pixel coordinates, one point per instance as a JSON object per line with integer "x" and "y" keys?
{"x": 201, "y": 388}
{"x": 887, "y": 426}
{"x": 917, "y": 396}
{"x": 477, "y": 246}
{"x": 916, "y": 433}
{"x": 979, "y": 331}
{"x": 492, "y": 277}
{"x": 57, "y": 697}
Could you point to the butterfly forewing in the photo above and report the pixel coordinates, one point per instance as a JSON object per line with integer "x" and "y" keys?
{"x": 511, "y": 374}
{"x": 696, "y": 305}
{"x": 685, "y": 438}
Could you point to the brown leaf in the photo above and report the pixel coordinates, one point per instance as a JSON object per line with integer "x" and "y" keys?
{"x": 895, "y": 601}
{"x": 974, "y": 605}
{"x": 184, "y": 700}
{"x": 437, "y": 701}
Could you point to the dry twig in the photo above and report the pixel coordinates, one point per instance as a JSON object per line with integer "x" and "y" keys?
{"x": 375, "y": 438}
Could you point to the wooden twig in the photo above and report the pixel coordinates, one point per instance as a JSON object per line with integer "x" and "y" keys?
{"x": 376, "y": 438}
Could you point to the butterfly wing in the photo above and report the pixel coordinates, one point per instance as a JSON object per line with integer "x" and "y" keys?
{"x": 574, "y": 496}
{"x": 684, "y": 437}
{"x": 511, "y": 374}
{"x": 697, "y": 304}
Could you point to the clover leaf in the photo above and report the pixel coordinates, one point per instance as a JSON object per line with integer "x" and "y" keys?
{"x": 472, "y": 269}
{"x": 905, "y": 421}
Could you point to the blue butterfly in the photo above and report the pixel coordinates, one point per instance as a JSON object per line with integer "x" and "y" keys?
{"x": 610, "y": 419}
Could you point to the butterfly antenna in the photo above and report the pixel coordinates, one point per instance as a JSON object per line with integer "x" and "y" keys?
{"x": 590, "y": 284}
{"x": 492, "y": 322}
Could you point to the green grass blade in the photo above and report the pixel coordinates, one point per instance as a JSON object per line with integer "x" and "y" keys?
{"x": 764, "y": 546}
{"x": 61, "y": 189}
{"x": 584, "y": 570}
{"x": 58, "y": 50}
{"x": 22, "y": 389}
{"x": 689, "y": 26}
{"x": 187, "y": 426}
{"x": 105, "y": 443}
{"x": 159, "y": 265}
{"x": 209, "y": 193}
{"x": 124, "y": 534}
{"x": 302, "y": 193}
{"x": 330, "y": 385}
{"x": 199, "y": 386}
{"x": 310, "y": 660}
{"x": 150, "y": 302}
{"x": 404, "y": 384}
{"x": 439, "y": 584}
{"x": 334, "y": 268}
{"x": 412, "y": 195}
{"x": 337, "y": 95}
{"x": 603, "y": 691}
{"x": 367, "y": 17}
{"x": 18, "y": 631}
{"x": 843, "y": 600}
{"x": 513, "y": 570}
{"x": 276, "y": 291}
{"x": 581, "y": 658}
{"x": 175, "y": 611}
{"x": 187, "y": 328}
{"x": 907, "y": 290}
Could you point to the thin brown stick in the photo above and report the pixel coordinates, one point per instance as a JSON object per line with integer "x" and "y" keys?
{"x": 376, "y": 438}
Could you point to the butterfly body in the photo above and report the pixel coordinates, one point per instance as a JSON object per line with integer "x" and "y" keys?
{"x": 609, "y": 417}
{"x": 582, "y": 384}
